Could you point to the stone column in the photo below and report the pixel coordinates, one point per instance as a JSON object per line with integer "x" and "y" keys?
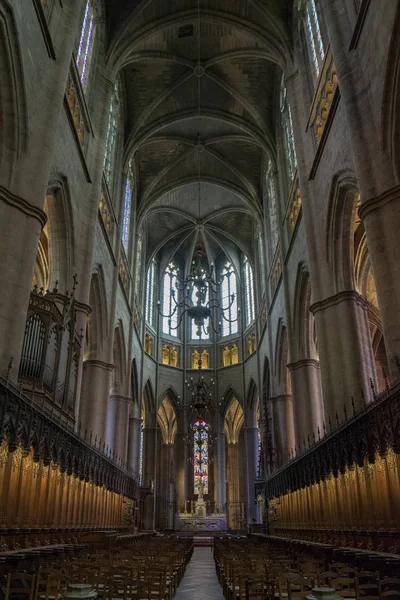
{"x": 380, "y": 193}
{"x": 24, "y": 171}
{"x": 251, "y": 445}
{"x": 169, "y": 491}
{"x": 149, "y": 473}
{"x": 135, "y": 426}
{"x": 346, "y": 355}
{"x": 221, "y": 501}
{"x": 232, "y": 486}
{"x": 181, "y": 472}
{"x": 283, "y": 423}
{"x": 381, "y": 217}
{"x": 118, "y": 425}
{"x": 96, "y": 381}
{"x": 308, "y": 408}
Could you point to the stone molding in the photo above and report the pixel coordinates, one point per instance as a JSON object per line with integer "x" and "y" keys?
{"x": 376, "y": 203}
{"x": 281, "y": 398}
{"x": 305, "y": 362}
{"x": 121, "y": 398}
{"x": 98, "y": 363}
{"x": 83, "y": 308}
{"x": 344, "y": 296}
{"x": 23, "y": 206}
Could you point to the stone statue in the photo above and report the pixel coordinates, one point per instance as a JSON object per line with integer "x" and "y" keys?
{"x": 201, "y": 489}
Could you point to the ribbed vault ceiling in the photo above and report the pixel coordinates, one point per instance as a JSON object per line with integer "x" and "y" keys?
{"x": 202, "y": 83}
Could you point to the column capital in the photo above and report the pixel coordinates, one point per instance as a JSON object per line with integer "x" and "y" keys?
{"x": 23, "y": 206}
{"x": 345, "y": 296}
{"x": 121, "y": 398}
{"x": 281, "y": 398}
{"x": 99, "y": 364}
{"x": 305, "y": 362}
{"x": 376, "y": 203}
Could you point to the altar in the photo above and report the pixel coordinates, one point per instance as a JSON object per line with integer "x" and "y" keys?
{"x": 194, "y": 524}
{"x": 200, "y": 521}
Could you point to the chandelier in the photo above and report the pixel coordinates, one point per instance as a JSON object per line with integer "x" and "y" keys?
{"x": 198, "y": 296}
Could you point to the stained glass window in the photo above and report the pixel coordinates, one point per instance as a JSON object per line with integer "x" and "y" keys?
{"x": 112, "y": 132}
{"x": 288, "y": 135}
{"x": 272, "y": 206}
{"x": 141, "y": 454}
{"x": 249, "y": 290}
{"x": 86, "y": 41}
{"x": 200, "y": 455}
{"x": 229, "y": 287}
{"x": 315, "y": 43}
{"x": 150, "y": 292}
{"x": 170, "y": 323}
{"x": 126, "y": 221}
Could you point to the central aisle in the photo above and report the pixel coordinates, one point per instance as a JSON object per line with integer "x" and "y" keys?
{"x": 200, "y": 581}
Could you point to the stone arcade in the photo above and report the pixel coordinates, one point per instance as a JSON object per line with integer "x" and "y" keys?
{"x": 252, "y": 145}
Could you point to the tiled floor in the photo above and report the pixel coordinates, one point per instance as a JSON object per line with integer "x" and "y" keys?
{"x": 200, "y": 581}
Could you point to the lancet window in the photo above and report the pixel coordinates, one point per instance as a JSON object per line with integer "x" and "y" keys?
{"x": 204, "y": 331}
{"x": 249, "y": 291}
{"x": 112, "y": 132}
{"x": 86, "y": 42}
{"x": 288, "y": 135}
{"x": 150, "y": 281}
{"x": 200, "y": 455}
{"x": 170, "y": 290}
{"x": 314, "y": 38}
{"x": 126, "y": 220}
{"x": 229, "y": 287}
{"x": 138, "y": 267}
{"x": 272, "y": 206}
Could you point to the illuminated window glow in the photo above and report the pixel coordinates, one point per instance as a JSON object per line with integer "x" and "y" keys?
{"x": 112, "y": 132}
{"x": 315, "y": 43}
{"x": 288, "y": 135}
{"x": 150, "y": 292}
{"x": 85, "y": 48}
{"x": 126, "y": 221}
{"x": 200, "y": 455}
{"x": 170, "y": 280}
{"x": 194, "y": 331}
{"x": 229, "y": 287}
{"x": 272, "y": 207}
{"x": 249, "y": 291}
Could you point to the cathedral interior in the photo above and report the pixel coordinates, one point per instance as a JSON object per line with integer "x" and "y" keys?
{"x": 200, "y": 329}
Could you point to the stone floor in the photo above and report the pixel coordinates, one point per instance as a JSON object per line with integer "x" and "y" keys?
{"x": 200, "y": 581}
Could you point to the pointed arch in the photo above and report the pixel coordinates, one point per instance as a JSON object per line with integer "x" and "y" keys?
{"x": 61, "y": 231}
{"x": 283, "y": 384}
{"x": 233, "y": 421}
{"x": 391, "y": 98}
{"x": 341, "y": 215}
{"x": 251, "y": 404}
{"x": 304, "y": 328}
{"x": 13, "y": 114}
{"x": 119, "y": 357}
{"x": 229, "y": 394}
{"x": 166, "y": 418}
{"x": 96, "y": 328}
{"x": 172, "y": 395}
{"x": 149, "y": 408}
{"x": 134, "y": 382}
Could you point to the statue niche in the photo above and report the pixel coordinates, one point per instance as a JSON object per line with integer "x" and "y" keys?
{"x": 170, "y": 355}
{"x": 230, "y": 355}
{"x": 201, "y": 360}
